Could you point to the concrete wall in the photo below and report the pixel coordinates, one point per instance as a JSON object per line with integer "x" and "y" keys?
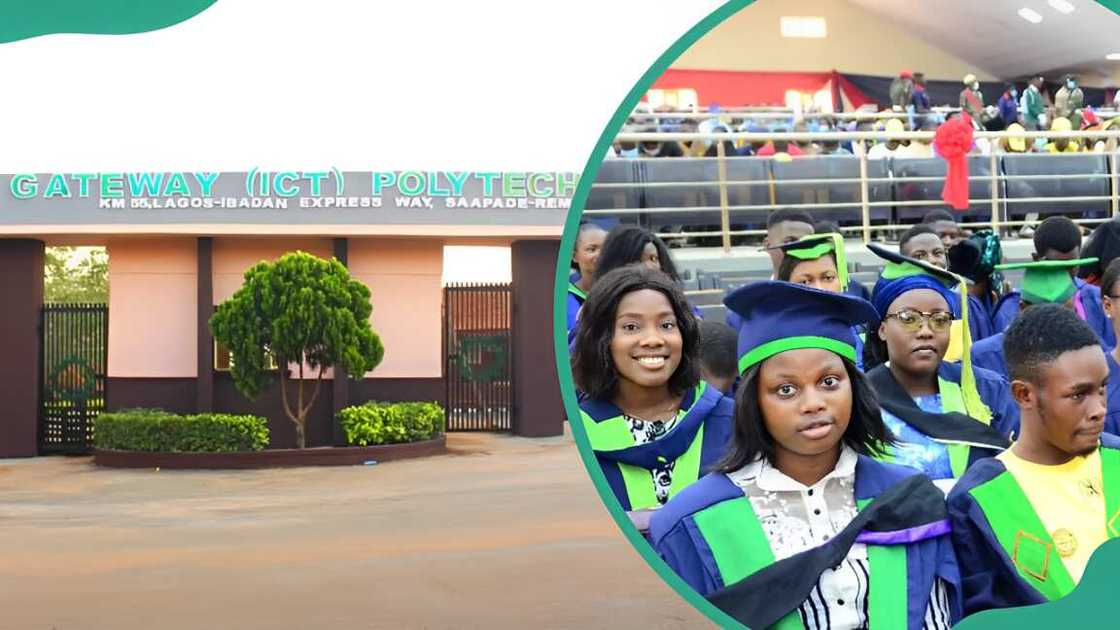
{"x": 404, "y": 278}
{"x": 153, "y": 298}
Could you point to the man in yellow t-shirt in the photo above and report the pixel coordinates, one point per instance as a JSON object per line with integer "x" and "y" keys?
{"x": 1026, "y": 521}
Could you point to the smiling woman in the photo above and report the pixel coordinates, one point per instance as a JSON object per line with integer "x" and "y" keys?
{"x": 654, "y": 425}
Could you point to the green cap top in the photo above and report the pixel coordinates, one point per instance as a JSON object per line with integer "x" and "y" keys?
{"x": 1047, "y": 281}
{"x": 814, "y": 246}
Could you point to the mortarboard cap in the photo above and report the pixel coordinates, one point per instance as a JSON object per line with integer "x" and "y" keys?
{"x": 775, "y": 317}
{"x": 902, "y": 274}
{"x": 813, "y": 246}
{"x": 1047, "y": 281}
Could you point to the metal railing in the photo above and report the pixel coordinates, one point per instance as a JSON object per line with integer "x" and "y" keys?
{"x": 995, "y": 177}
{"x": 778, "y": 113}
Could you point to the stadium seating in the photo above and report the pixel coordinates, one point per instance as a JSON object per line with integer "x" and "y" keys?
{"x": 670, "y": 170}
{"x": 829, "y": 167}
{"x": 1062, "y": 164}
{"x": 979, "y": 186}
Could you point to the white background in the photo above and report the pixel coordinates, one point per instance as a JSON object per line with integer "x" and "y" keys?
{"x": 514, "y": 86}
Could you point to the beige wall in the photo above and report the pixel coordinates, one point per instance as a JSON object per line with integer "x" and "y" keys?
{"x": 404, "y": 278}
{"x": 858, "y": 42}
{"x": 153, "y": 301}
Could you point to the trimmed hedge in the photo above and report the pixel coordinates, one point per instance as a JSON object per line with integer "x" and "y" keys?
{"x": 391, "y": 423}
{"x": 156, "y": 430}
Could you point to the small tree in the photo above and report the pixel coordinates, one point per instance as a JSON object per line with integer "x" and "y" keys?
{"x": 298, "y": 309}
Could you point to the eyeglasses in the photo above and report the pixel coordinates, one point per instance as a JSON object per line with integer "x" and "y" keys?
{"x": 911, "y": 320}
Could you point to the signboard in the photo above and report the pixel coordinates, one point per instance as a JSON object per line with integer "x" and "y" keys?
{"x": 287, "y": 197}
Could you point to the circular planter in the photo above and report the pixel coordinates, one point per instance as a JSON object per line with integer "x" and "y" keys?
{"x": 274, "y": 458}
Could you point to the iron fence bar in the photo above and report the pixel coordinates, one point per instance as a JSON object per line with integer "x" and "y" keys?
{"x": 993, "y": 169}
{"x": 724, "y": 215}
{"x": 1112, "y": 159}
{"x": 864, "y": 195}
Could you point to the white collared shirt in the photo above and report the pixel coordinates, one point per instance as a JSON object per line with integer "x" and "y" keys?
{"x": 796, "y": 517}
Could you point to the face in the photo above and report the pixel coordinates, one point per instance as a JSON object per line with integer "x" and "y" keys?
{"x": 1069, "y": 401}
{"x": 782, "y": 233}
{"x": 1053, "y": 254}
{"x": 646, "y": 347}
{"x": 918, "y": 351}
{"x": 588, "y": 245}
{"x": 927, "y": 248}
{"x": 806, "y": 400}
{"x": 819, "y": 273}
{"x": 948, "y": 231}
{"x": 650, "y": 258}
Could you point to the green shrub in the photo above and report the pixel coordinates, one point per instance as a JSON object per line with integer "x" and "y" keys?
{"x": 160, "y": 431}
{"x": 391, "y": 423}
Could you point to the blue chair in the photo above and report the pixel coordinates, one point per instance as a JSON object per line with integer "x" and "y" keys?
{"x": 827, "y": 167}
{"x": 1057, "y": 164}
{"x": 979, "y": 186}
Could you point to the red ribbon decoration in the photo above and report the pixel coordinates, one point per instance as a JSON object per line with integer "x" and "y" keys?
{"x": 953, "y": 141}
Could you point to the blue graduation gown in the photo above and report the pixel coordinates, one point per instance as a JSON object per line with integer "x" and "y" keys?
{"x": 989, "y": 579}
{"x": 1090, "y": 296}
{"x": 733, "y": 319}
{"x": 713, "y": 411}
{"x": 995, "y": 393}
{"x": 979, "y": 319}
{"x": 859, "y": 290}
{"x": 677, "y": 539}
{"x": 988, "y": 354}
{"x": 1112, "y": 416}
{"x": 1005, "y": 312}
{"x": 575, "y": 302}
{"x": 1094, "y": 312}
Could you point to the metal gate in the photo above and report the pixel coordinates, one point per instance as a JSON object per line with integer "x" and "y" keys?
{"x": 478, "y": 356}
{"x": 74, "y": 355}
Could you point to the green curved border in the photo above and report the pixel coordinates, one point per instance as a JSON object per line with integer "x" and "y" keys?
{"x": 1096, "y": 587}
{"x": 24, "y": 19}
{"x": 1086, "y": 607}
{"x": 559, "y": 301}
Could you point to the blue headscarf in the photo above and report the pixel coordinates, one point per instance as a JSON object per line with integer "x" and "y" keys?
{"x": 887, "y": 291}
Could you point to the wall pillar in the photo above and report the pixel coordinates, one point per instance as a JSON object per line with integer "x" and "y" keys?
{"x": 538, "y": 407}
{"x": 21, "y": 275}
{"x": 205, "y": 380}
{"x": 341, "y": 385}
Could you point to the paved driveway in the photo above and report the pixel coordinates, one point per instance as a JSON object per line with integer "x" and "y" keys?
{"x": 503, "y": 533}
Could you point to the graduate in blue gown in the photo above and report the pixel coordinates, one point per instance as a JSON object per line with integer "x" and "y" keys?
{"x": 1058, "y": 238}
{"x": 1110, "y": 295}
{"x": 819, "y": 261}
{"x": 654, "y": 425}
{"x": 1044, "y": 282}
{"x": 800, "y": 527}
{"x": 589, "y": 244}
{"x": 1025, "y": 522}
{"x": 946, "y": 415}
